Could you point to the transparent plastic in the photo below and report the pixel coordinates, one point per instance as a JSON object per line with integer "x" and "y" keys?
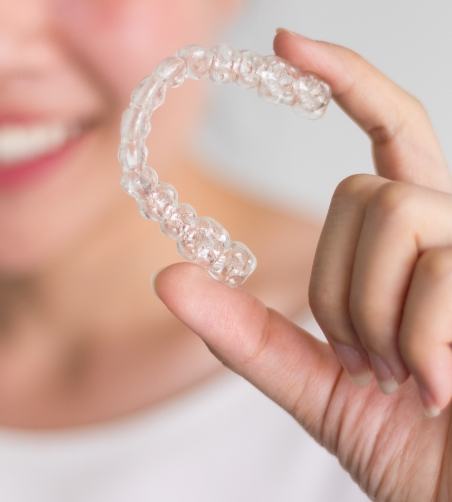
{"x": 202, "y": 239}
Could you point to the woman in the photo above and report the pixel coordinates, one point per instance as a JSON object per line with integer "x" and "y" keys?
{"x": 85, "y": 344}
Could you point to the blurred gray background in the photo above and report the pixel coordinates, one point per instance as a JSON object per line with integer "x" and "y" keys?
{"x": 298, "y": 162}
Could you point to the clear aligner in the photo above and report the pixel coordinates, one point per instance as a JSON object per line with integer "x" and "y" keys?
{"x": 201, "y": 239}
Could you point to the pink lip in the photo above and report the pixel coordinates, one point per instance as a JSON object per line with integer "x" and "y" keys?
{"x": 18, "y": 174}
{"x": 20, "y": 118}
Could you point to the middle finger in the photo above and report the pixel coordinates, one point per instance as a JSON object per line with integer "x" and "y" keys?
{"x": 400, "y": 222}
{"x": 329, "y": 286}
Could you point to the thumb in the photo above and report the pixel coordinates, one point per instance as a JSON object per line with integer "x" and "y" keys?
{"x": 404, "y": 143}
{"x": 280, "y": 358}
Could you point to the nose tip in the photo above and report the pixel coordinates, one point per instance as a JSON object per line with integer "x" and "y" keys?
{"x": 24, "y": 52}
{"x": 10, "y": 53}
{"x": 23, "y": 25}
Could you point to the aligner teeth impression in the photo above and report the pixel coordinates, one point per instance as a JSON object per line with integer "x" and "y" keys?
{"x": 202, "y": 239}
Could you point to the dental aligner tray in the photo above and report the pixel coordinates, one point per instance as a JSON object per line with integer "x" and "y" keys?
{"x": 202, "y": 239}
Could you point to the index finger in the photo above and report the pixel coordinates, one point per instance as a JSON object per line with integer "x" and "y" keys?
{"x": 405, "y": 146}
{"x": 283, "y": 360}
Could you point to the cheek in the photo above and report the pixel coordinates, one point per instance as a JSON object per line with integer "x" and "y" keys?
{"x": 122, "y": 40}
{"x": 41, "y": 221}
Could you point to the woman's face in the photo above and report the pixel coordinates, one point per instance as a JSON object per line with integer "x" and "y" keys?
{"x": 67, "y": 68}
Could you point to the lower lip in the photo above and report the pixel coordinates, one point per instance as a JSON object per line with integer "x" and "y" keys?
{"x": 22, "y": 173}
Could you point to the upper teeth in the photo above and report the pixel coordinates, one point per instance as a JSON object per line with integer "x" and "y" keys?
{"x": 18, "y": 143}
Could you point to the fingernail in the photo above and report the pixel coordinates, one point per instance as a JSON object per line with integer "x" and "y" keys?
{"x": 289, "y": 32}
{"x": 354, "y": 363}
{"x": 388, "y": 384}
{"x": 431, "y": 409}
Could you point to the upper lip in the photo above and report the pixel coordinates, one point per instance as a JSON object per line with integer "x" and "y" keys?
{"x": 27, "y": 118}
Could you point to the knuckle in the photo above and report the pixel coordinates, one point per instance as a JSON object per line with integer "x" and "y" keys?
{"x": 375, "y": 343}
{"x": 355, "y": 55}
{"x": 218, "y": 355}
{"x": 411, "y": 347}
{"x": 416, "y": 104}
{"x": 319, "y": 299}
{"x": 392, "y": 202}
{"x": 353, "y": 185}
{"x": 324, "y": 306}
{"x": 436, "y": 263}
{"x": 344, "y": 50}
{"x": 254, "y": 347}
{"x": 330, "y": 315}
{"x": 366, "y": 320}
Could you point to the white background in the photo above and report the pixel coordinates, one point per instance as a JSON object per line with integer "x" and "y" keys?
{"x": 268, "y": 149}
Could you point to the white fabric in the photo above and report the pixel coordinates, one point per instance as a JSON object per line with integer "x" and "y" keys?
{"x": 223, "y": 441}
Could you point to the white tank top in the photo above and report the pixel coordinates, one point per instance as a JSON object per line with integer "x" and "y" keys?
{"x": 224, "y": 441}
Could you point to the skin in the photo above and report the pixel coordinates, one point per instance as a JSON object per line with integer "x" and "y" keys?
{"x": 83, "y": 339}
{"x": 380, "y": 286}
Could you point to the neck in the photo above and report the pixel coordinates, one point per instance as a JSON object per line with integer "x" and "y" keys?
{"x": 113, "y": 261}
{"x": 97, "y": 295}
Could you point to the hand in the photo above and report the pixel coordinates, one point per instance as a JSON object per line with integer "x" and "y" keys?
{"x": 381, "y": 290}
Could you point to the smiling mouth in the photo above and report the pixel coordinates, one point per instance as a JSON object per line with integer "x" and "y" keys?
{"x": 28, "y": 149}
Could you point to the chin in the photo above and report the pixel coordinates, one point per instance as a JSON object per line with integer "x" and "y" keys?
{"x": 32, "y": 240}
